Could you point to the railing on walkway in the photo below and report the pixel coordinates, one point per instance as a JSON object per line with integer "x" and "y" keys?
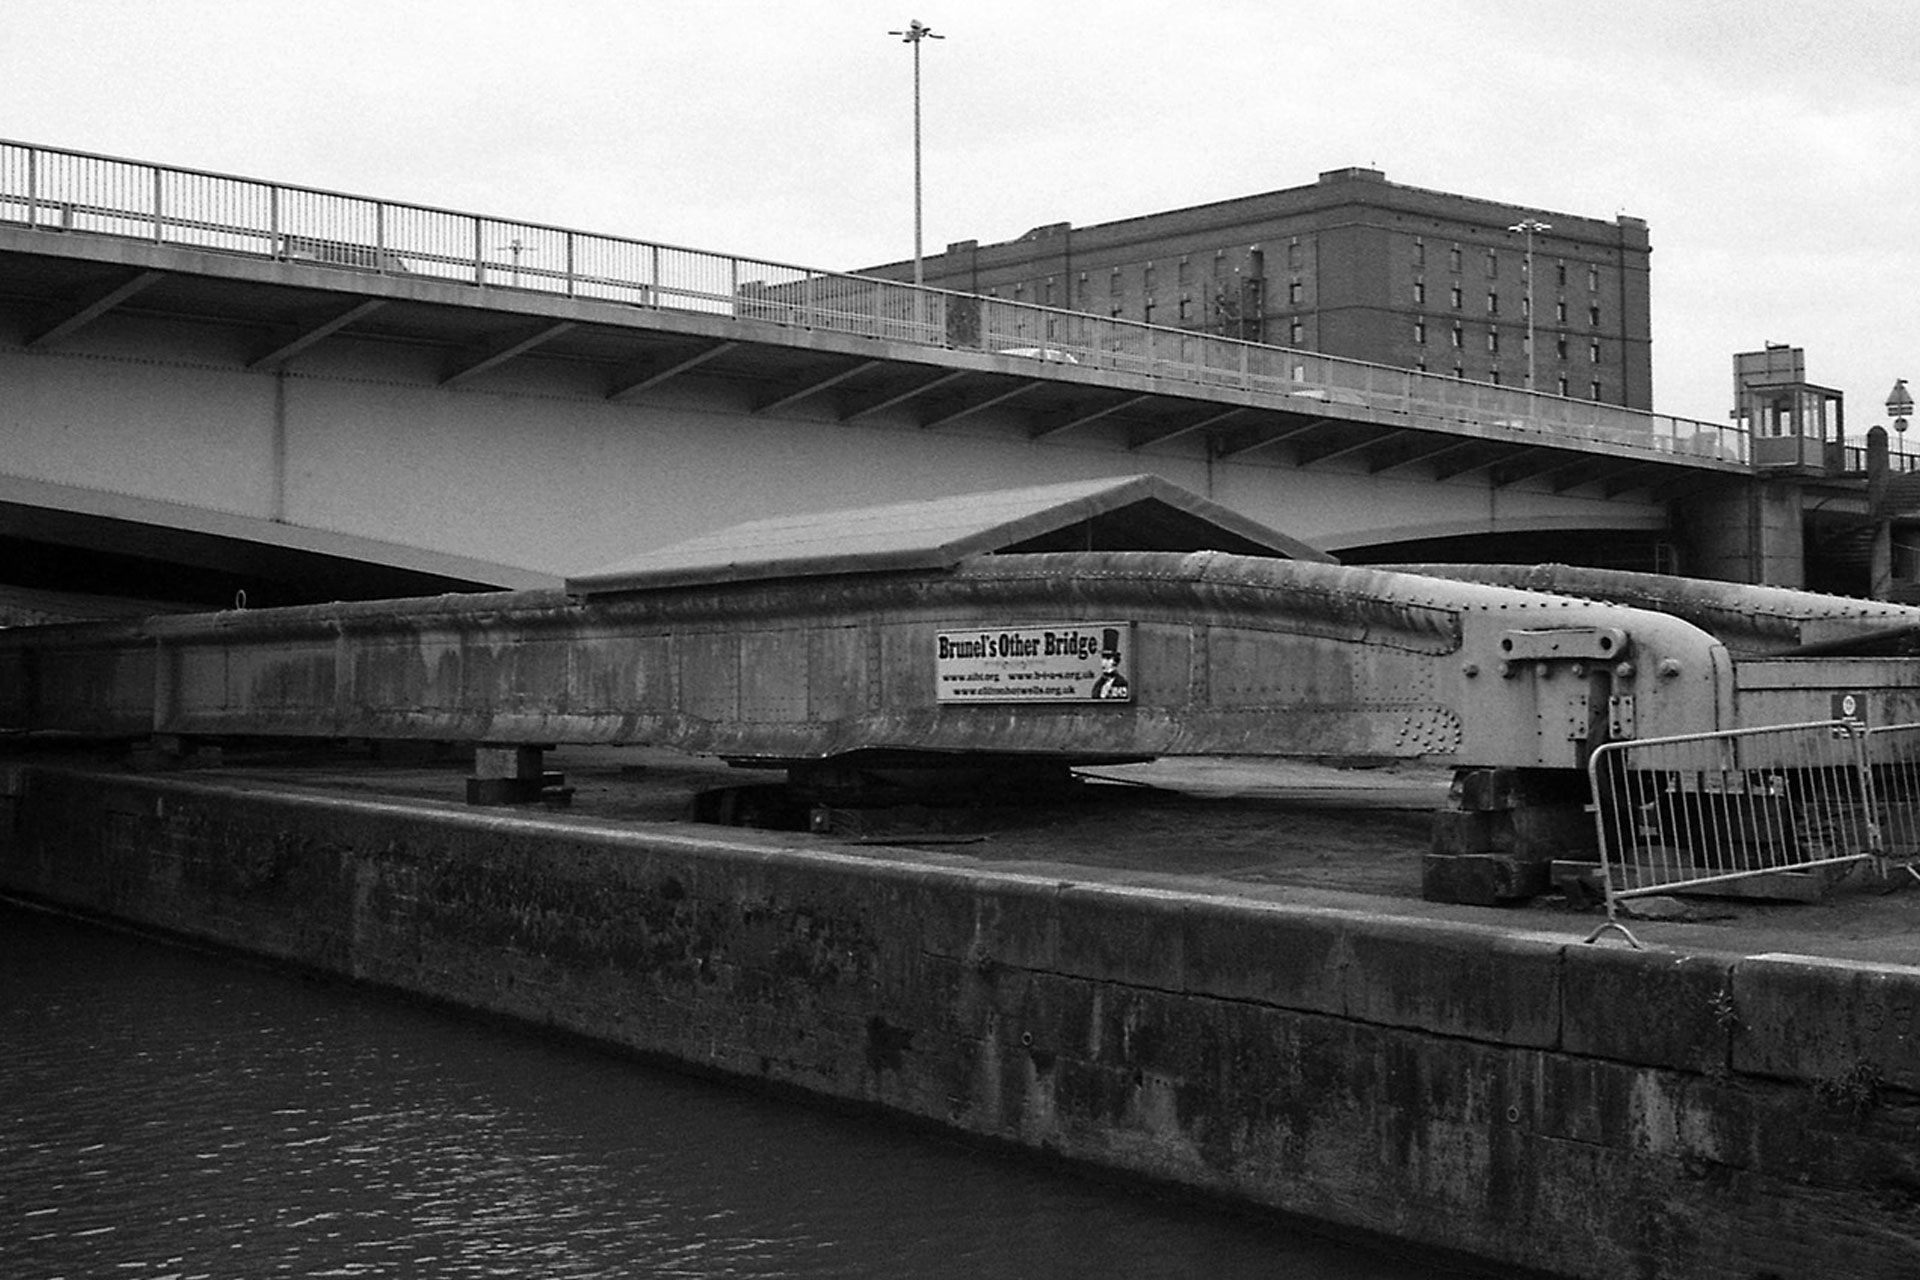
{"x": 1854, "y": 459}
{"x": 74, "y": 191}
{"x": 1709, "y": 809}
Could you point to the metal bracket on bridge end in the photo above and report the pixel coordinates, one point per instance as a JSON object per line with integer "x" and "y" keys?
{"x": 1563, "y": 643}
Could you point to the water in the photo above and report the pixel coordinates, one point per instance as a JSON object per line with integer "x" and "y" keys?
{"x": 165, "y": 1113}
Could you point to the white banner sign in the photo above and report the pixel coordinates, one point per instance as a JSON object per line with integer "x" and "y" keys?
{"x": 1059, "y": 662}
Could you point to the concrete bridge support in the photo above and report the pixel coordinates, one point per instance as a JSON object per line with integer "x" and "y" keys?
{"x": 1750, "y": 531}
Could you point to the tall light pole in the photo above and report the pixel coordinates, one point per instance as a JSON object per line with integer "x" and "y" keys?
{"x": 916, "y": 32}
{"x": 1529, "y": 226}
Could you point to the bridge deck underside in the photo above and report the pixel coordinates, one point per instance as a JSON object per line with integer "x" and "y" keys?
{"x": 54, "y": 284}
{"x": 58, "y": 290}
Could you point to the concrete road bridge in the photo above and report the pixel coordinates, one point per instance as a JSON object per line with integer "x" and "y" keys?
{"x": 213, "y": 383}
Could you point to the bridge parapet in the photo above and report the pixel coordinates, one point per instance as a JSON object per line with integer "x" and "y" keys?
{"x": 77, "y": 192}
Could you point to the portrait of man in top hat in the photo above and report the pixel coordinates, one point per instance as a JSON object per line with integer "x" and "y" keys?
{"x": 1111, "y": 686}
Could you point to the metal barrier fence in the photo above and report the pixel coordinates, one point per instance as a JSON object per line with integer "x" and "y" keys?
{"x": 1893, "y": 754}
{"x": 1697, "y": 810}
{"x": 74, "y": 191}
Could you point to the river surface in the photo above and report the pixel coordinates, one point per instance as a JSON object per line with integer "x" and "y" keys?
{"x": 169, "y": 1113}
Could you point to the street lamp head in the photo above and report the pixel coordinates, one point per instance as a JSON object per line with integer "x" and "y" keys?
{"x": 1531, "y": 225}
{"x": 916, "y": 32}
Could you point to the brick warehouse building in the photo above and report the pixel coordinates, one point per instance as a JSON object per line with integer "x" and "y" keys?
{"x": 1354, "y": 266}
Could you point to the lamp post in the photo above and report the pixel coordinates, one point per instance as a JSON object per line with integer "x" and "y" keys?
{"x": 916, "y": 32}
{"x": 1529, "y": 226}
{"x": 516, "y": 247}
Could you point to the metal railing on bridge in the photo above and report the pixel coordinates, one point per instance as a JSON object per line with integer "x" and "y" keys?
{"x": 1854, "y": 460}
{"x": 74, "y": 191}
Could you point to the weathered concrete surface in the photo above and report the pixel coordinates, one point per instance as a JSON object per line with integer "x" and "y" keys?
{"x": 1507, "y": 1092}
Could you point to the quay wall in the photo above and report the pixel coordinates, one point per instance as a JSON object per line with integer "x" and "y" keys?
{"x": 1516, "y": 1096}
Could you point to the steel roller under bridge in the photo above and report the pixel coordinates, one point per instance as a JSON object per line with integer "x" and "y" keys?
{"x": 215, "y": 384}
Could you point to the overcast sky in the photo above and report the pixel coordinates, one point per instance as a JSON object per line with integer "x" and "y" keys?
{"x": 1771, "y": 145}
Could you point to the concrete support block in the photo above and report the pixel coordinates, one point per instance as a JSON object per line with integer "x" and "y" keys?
{"x": 1457, "y": 833}
{"x": 1544, "y": 832}
{"x": 1482, "y": 879}
{"x": 1652, "y": 1008}
{"x": 1016, "y": 927}
{"x": 1503, "y": 830}
{"x": 1134, "y": 936}
{"x": 1288, "y": 957}
{"x": 1752, "y": 532}
{"x": 1491, "y": 790}
{"x": 1498, "y": 986}
{"x": 513, "y": 775}
{"x": 1827, "y": 1021}
{"x": 517, "y": 762}
{"x": 951, "y": 918}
